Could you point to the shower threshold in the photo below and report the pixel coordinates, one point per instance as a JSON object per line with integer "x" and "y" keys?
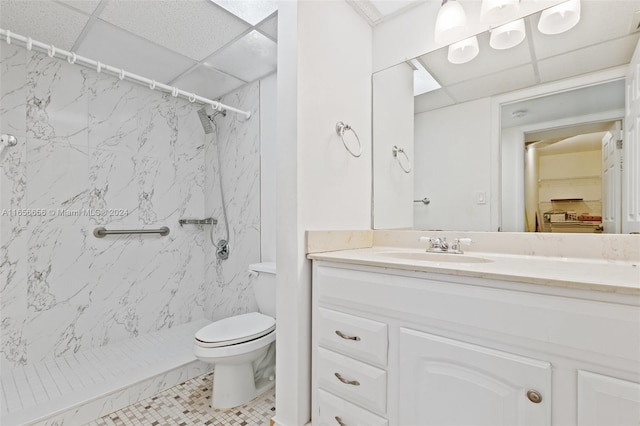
{"x": 78, "y": 388}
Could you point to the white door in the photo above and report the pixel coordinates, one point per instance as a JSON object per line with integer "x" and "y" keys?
{"x": 631, "y": 172}
{"x": 612, "y": 180}
{"x": 448, "y": 382}
{"x": 604, "y": 401}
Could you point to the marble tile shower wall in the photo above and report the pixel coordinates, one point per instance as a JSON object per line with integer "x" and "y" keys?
{"x": 237, "y": 143}
{"x": 89, "y": 141}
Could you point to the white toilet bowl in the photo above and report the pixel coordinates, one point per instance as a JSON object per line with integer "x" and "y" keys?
{"x": 242, "y": 348}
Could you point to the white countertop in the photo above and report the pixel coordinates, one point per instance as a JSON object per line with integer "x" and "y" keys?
{"x": 589, "y": 274}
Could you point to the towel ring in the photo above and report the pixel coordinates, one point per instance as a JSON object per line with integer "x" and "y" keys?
{"x": 341, "y": 128}
{"x": 397, "y": 151}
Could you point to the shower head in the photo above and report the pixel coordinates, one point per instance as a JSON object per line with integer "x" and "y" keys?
{"x": 207, "y": 114}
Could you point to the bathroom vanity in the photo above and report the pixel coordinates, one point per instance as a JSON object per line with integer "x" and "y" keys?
{"x": 400, "y": 338}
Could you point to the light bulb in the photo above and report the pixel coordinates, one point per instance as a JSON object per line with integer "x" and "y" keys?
{"x": 496, "y": 11}
{"x": 463, "y": 51}
{"x": 450, "y": 23}
{"x": 508, "y": 35}
{"x": 559, "y": 18}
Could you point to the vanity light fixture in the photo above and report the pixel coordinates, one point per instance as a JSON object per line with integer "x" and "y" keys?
{"x": 508, "y": 35}
{"x": 496, "y": 11}
{"x": 559, "y": 18}
{"x": 451, "y": 22}
{"x": 463, "y": 51}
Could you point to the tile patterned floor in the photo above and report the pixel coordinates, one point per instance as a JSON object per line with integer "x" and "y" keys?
{"x": 189, "y": 404}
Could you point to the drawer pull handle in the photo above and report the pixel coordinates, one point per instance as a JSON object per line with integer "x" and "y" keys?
{"x": 340, "y": 422}
{"x": 347, "y": 382}
{"x": 346, "y": 336}
{"x": 534, "y": 396}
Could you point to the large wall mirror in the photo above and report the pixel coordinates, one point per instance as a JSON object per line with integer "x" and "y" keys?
{"x": 513, "y": 140}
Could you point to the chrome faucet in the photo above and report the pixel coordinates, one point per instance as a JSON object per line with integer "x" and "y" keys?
{"x": 440, "y": 245}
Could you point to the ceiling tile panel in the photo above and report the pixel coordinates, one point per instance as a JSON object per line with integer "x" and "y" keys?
{"x": 45, "y": 21}
{"x": 86, "y": 6}
{"x": 493, "y": 84}
{"x": 487, "y": 62}
{"x": 110, "y": 45}
{"x": 432, "y": 100}
{"x": 594, "y": 58}
{"x": 251, "y": 11}
{"x": 195, "y": 28}
{"x": 270, "y": 27}
{"x": 251, "y": 57}
{"x": 579, "y": 102}
{"x": 207, "y": 82}
{"x": 599, "y": 21}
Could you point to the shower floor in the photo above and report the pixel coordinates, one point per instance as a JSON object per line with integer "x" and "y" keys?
{"x": 189, "y": 404}
{"x": 80, "y": 387}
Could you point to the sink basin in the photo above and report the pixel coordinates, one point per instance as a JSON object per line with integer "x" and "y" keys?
{"x": 434, "y": 257}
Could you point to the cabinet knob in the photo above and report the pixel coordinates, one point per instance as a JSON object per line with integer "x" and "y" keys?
{"x": 340, "y": 422}
{"x": 345, "y": 381}
{"x": 534, "y": 396}
{"x": 346, "y": 336}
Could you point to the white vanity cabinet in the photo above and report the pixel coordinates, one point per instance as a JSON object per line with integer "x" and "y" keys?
{"x": 410, "y": 348}
{"x": 447, "y": 381}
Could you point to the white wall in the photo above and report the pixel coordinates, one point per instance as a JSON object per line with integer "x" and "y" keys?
{"x": 393, "y": 125}
{"x": 268, "y": 167}
{"x": 531, "y": 201}
{"x": 236, "y": 143}
{"x": 512, "y": 172}
{"x": 454, "y": 147}
{"x": 324, "y": 76}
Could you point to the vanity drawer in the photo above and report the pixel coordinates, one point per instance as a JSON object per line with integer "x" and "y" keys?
{"x": 355, "y": 336}
{"x": 334, "y": 411}
{"x": 353, "y": 380}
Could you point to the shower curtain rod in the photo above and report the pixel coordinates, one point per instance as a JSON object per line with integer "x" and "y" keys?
{"x": 73, "y": 58}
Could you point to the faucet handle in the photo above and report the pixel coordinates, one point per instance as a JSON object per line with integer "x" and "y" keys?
{"x": 463, "y": 241}
{"x": 433, "y": 242}
{"x": 460, "y": 242}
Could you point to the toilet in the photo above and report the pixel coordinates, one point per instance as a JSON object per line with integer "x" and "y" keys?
{"x": 242, "y": 347}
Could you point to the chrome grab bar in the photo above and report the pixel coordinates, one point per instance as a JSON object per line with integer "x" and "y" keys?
{"x": 206, "y": 221}
{"x": 101, "y": 232}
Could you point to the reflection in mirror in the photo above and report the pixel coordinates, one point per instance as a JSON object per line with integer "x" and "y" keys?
{"x": 458, "y": 161}
{"x": 557, "y": 167}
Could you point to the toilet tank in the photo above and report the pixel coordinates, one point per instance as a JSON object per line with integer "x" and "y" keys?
{"x": 264, "y": 287}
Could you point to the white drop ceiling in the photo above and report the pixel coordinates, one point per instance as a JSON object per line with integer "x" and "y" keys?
{"x": 377, "y": 11}
{"x": 201, "y": 46}
{"x": 604, "y": 38}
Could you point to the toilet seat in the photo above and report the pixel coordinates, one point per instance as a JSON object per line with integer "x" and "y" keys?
{"x": 235, "y": 330}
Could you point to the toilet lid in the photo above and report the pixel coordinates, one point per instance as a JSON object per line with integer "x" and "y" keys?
{"x": 236, "y": 329}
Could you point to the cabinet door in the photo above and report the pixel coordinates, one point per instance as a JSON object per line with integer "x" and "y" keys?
{"x": 604, "y": 400}
{"x": 449, "y": 382}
